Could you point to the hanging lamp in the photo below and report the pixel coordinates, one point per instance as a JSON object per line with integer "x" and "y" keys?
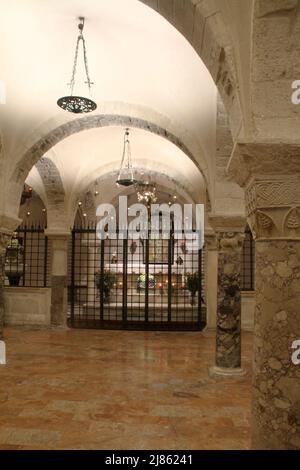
{"x": 78, "y": 104}
{"x": 125, "y": 176}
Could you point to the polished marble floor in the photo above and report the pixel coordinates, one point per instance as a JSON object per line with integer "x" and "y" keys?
{"x": 92, "y": 389}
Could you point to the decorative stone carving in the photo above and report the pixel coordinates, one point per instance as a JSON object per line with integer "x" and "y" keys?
{"x": 264, "y": 220}
{"x": 292, "y": 221}
{"x": 273, "y": 207}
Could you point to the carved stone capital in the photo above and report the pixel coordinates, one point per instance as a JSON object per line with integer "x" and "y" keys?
{"x": 270, "y": 174}
{"x": 230, "y": 241}
{"x": 273, "y": 207}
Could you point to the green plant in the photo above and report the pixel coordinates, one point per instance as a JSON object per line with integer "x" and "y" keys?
{"x": 108, "y": 280}
{"x": 192, "y": 283}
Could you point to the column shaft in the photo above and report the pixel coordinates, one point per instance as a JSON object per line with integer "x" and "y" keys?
{"x": 276, "y": 382}
{"x": 4, "y": 240}
{"x": 59, "y": 279}
{"x": 228, "y": 334}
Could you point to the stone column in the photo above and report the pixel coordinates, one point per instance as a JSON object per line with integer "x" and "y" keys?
{"x": 59, "y": 277}
{"x": 228, "y": 328}
{"x": 211, "y": 280}
{"x": 271, "y": 176}
{"x": 276, "y": 392}
{"x": 7, "y": 226}
{"x": 4, "y": 240}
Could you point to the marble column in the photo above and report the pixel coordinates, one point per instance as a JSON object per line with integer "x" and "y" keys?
{"x": 276, "y": 380}
{"x": 59, "y": 277}
{"x": 230, "y": 236}
{"x": 270, "y": 173}
{"x": 7, "y": 226}
{"x": 4, "y": 240}
{"x": 211, "y": 279}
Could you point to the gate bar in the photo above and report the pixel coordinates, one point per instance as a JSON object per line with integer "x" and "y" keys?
{"x": 124, "y": 291}
{"x": 101, "y": 280}
{"x": 200, "y": 286}
{"x": 72, "y": 293}
{"x": 147, "y": 281}
{"x": 169, "y": 279}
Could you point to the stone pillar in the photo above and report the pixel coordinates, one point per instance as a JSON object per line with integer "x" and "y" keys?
{"x": 228, "y": 328}
{"x": 273, "y": 210}
{"x": 276, "y": 392}
{"x": 211, "y": 280}
{"x": 7, "y": 226}
{"x": 4, "y": 240}
{"x": 59, "y": 277}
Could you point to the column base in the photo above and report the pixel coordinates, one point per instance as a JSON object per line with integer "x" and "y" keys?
{"x": 226, "y": 371}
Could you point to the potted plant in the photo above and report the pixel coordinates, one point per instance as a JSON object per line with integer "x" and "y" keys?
{"x": 107, "y": 280}
{"x": 192, "y": 284}
{"x": 14, "y": 261}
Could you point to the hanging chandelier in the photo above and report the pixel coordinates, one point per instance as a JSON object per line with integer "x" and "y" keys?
{"x": 78, "y": 104}
{"x": 125, "y": 176}
{"x": 146, "y": 192}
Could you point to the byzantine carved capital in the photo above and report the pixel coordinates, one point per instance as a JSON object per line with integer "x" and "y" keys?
{"x": 230, "y": 241}
{"x": 273, "y": 207}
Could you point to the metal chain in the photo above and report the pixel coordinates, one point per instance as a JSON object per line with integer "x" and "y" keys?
{"x": 86, "y": 64}
{"x": 72, "y": 81}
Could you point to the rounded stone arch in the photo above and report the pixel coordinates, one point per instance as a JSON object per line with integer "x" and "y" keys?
{"x": 67, "y": 129}
{"x": 201, "y": 23}
{"x": 54, "y": 190}
{"x": 44, "y": 144}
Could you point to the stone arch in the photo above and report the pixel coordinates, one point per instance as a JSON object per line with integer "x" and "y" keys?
{"x": 201, "y": 23}
{"x": 54, "y": 190}
{"x": 45, "y": 143}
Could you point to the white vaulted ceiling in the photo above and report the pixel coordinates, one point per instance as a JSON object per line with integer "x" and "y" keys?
{"x": 90, "y": 154}
{"x": 135, "y": 57}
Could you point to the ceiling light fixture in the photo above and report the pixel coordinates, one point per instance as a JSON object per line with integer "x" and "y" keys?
{"x": 78, "y": 104}
{"x": 125, "y": 176}
{"x": 146, "y": 192}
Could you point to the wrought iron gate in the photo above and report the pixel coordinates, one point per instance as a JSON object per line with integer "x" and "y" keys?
{"x": 141, "y": 284}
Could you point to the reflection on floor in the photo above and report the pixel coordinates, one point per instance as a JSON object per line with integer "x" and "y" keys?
{"x": 91, "y": 389}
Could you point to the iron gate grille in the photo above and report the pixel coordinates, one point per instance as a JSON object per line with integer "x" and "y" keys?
{"x": 125, "y": 284}
{"x": 33, "y": 266}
